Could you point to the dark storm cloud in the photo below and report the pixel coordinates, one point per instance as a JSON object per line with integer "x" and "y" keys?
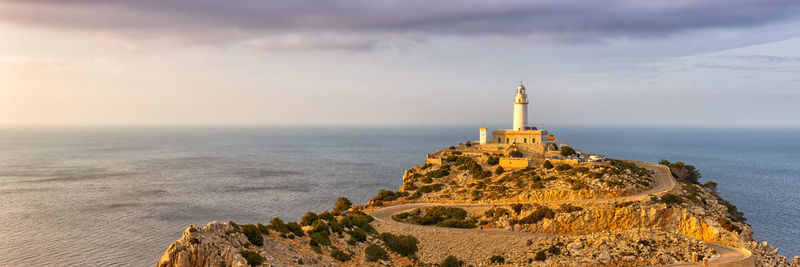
{"x": 223, "y": 21}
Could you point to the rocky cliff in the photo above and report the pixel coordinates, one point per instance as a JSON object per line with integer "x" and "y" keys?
{"x": 472, "y": 212}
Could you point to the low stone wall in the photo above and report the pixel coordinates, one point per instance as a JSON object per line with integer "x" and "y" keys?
{"x": 514, "y": 163}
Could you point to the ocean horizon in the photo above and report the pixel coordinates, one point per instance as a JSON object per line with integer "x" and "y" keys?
{"x": 120, "y": 196}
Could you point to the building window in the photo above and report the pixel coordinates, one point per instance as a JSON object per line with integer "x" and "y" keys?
{"x": 526, "y": 140}
{"x": 499, "y": 140}
{"x": 506, "y": 140}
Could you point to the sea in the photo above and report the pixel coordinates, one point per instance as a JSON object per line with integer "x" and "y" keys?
{"x": 120, "y": 196}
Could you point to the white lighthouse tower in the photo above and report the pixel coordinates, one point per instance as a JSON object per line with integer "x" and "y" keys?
{"x": 520, "y": 109}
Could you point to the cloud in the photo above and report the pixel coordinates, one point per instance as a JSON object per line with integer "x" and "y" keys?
{"x": 365, "y": 23}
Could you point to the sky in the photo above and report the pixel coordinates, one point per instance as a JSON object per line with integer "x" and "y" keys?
{"x": 709, "y": 63}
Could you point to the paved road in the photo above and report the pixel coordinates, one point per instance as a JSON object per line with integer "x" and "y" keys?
{"x": 663, "y": 182}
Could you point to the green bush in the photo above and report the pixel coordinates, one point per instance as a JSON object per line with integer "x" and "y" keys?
{"x": 252, "y": 257}
{"x": 516, "y": 154}
{"x": 375, "y": 253}
{"x": 295, "y": 228}
{"x": 727, "y": 225}
{"x": 358, "y": 234}
{"x": 430, "y": 188}
{"x": 319, "y": 226}
{"x": 454, "y": 223}
{"x": 308, "y": 219}
{"x": 735, "y": 213}
{"x": 405, "y": 245}
{"x": 359, "y": 219}
{"x": 517, "y": 208}
{"x": 335, "y": 226}
{"x": 326, "y": 216}
{"x": 563, "y": 167}
{"x": 319, "y": 239}
{"x": 451, "y": 261}
{"x": 426, "y": 180}
{"x": 554, "y": 250}
{"x": 567, "y": 208}
{"x": 540, "y": 256}
{"x": 493, "y": 161}
{"x": 538, "y": 215}
{"x": 263, "y": 229}
{"x": 340, "y": 255}
{"x": 568, "y": 151}
{"x": 499, "y": 170}
{"x": 547, "y": 165}
{"x": 278, "y": 225}
{"x": 497, "y": 259}
{"x": 253, "y": 234}
{"x": 438, "y": 173}
{"x": 578, "y": 185}
{"x": 387, "y": 195}
{"x": 671, "y": 199}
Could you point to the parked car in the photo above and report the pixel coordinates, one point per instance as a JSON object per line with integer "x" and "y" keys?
{"x": 594, "y": 158}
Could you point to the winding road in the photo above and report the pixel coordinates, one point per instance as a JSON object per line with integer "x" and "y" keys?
{"x": 663, "y": 182}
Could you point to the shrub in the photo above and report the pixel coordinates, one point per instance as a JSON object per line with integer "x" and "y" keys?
{"x": 387, "y": 195}
{"x": 340, "y": 255}
{"x": 405, "y": 245}
{"x": 326, "y": 216}
{"x": 517, "y": 208}
{"x": 358, "y": 234}
{"x": 735, "y": 213}
{"x": 563, "y": 167}
{"x": 712, "y": 186}
{"x": 493, "y": 161}
{"x": 540, "y": 256}
{"x": 357, "y": 219}
{"x": 568, "y": 151}
{"x": 430, "y": 188}
{"x": 252, "y": 257}
{"x": 567, "y": 208}
{"x": 427, "y": 180}
{"x": 516, "y": 154}
{"x": 452, "y": 147}
{"x": 547, "y": 165}
{"x": 319, "y": 226}
{"x": 451, "y": 261}
{"x": 538, "y": 215}
{"x": 439, "y": 173}
{"x": 454, "y": 223}
{"x": 319, "y": 239}
{"x": 253, "y": 234}
{"x": 497, "y": 259}
{"x": 335, "y": 226}
{"x": 375, "y": 253}
{"x": 554, "y": 250}
{"x": 671, "y": 199}
{"x": 308, "y": 219}
{"x": 278, "y": 225}
{"x": 499, "y": 170}
{"x": 578, "y": 185}
{"x": 727, "y": 225}
{"x": 295, "y": 228}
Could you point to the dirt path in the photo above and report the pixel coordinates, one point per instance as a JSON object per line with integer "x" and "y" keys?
{"x": 663, "y": 182}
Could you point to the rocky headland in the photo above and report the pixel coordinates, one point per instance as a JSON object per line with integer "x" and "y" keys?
{"x": 470, "y": 211}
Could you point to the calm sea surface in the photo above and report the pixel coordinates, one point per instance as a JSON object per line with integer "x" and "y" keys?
{"x": 119, "y": 197}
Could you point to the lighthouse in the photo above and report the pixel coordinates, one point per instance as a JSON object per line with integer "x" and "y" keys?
{"x": 520, "y": 109}
{"x": 521, "y": 133}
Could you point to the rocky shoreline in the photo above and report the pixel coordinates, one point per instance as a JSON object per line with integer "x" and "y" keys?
{"x": 685, "y": 223}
